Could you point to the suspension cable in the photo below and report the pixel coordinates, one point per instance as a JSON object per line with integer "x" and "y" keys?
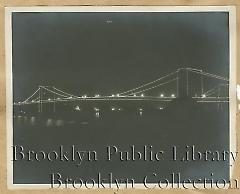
{"x": 54, "y": 92}
{"x": 154, "y": 86}
{"x": 141, "y": 86}
{"x": 65, "y": 92}
{"x": 210, "y": 75}
{"x": 31, "y": 95}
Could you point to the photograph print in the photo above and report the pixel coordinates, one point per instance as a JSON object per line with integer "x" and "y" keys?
{"x": 119, "y": 97}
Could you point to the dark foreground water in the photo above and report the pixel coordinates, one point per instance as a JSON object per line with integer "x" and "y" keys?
{"x": 180, "y": 124}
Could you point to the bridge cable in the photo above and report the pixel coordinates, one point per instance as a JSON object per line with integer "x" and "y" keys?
{"x": 154, "y": 86}
{"x": 31, "y": 95}
{"x": 141, "y": 86}
{"x": 65, "y": 92}
{"x": 54, "y": 92}
{"x": 210, "y": 75}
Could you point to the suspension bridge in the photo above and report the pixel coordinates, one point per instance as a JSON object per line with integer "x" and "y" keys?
{"x": 192, "y": 83}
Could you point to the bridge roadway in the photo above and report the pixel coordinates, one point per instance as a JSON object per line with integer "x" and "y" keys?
{"x": 125, "y": 98}
{"x": 103, "y": 98}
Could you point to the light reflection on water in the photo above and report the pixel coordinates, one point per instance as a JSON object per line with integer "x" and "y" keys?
{"x": 33, "y": 121}
{"x": 49, "y": 123}
{"x": 25, "y": 119}
{"x": 97, "y": 114}
{"x": 59, "y": 122}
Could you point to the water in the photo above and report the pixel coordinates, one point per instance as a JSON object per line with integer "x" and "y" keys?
{"x": 179, "y": 124}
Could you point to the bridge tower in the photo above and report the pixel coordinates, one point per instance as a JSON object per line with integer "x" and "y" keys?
{"x": 40, "y": 99}
{"x": 182, "y": 83}
{"x": 51, "y": 90}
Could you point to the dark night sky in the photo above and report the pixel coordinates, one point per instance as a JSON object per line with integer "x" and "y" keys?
{"x": 83, "y": 53}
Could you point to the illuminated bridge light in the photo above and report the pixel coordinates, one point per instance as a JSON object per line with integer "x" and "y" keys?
{"x": 204, "y": 96}
{"x": 140, "y": 109}
{"x": 160, "y": 108}
{"x": 77, "y": 108}
{"x": 84, "y": 96}
{"x": 134, "y": 95}
{"x": 58, "y": 98}
{"x": 118, "y": 95}
{"x": 119, "y": 109}
{"x": 49, "y": 99}
{"x": 96, "y": 109}
{"x": 161, "y": 95}
{"x": 142, "y": 95}
{"x": 113, "y": 109}
{"x": 113, "y": 95}
{"x": 97, "y": 95}
{"x": 97, "y": 114}
{"x": 173, "y": 95}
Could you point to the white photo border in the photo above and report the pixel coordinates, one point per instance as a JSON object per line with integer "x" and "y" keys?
{"x": 9, "y": 87}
